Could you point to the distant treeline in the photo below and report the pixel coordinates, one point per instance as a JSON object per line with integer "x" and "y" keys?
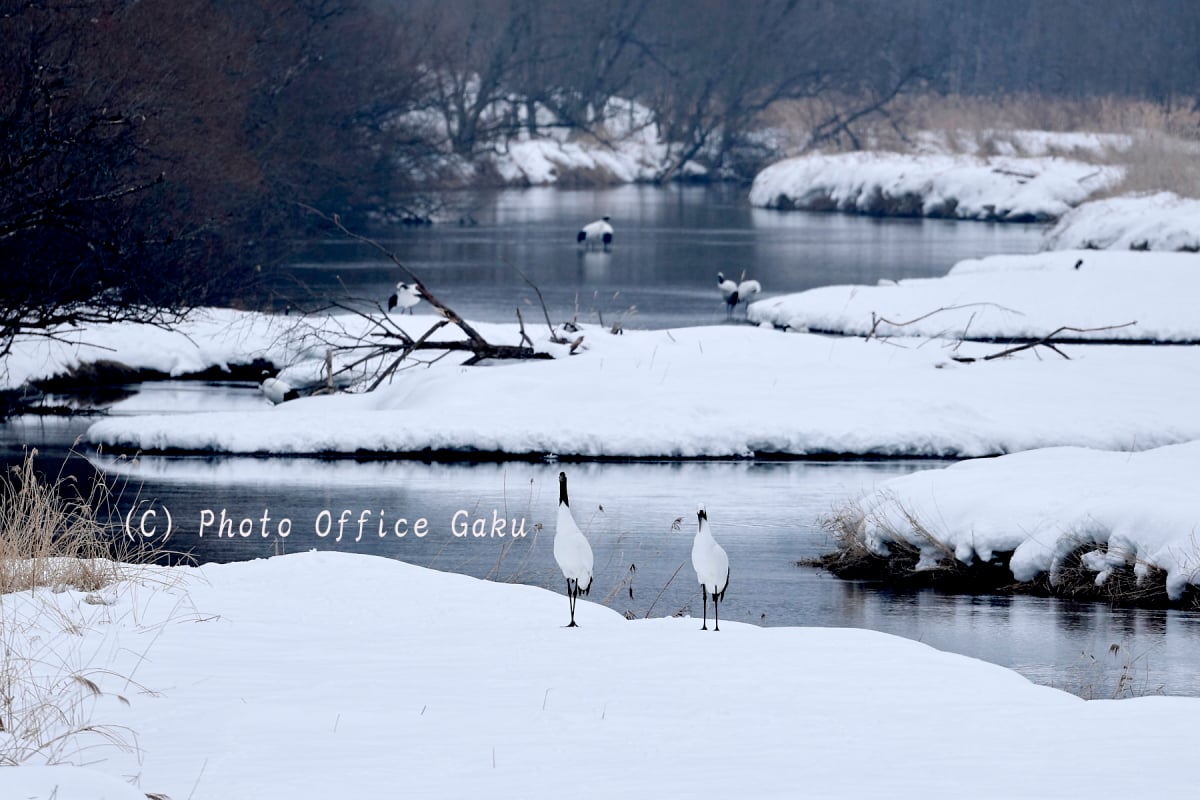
{"x": 157, "y": 154}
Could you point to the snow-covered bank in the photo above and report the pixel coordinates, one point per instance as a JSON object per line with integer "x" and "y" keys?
{"x": 1047, "y": 511}
{"x": 209, "y": 337}
{"x": 630, "y": 150}
{"x": 1162, "y": 221}
{"x": 1005, "y": 297}
{"x": 622, "y": 144}
{"x": 336, "y": 675}
{"x": 1003, "y": 188}
{"x": 724, "y": 391}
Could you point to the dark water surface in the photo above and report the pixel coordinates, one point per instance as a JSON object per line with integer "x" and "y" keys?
{"x": 766, "y": 515}
{"x": 661, "y": 270}
{"x": 669, "y": 245}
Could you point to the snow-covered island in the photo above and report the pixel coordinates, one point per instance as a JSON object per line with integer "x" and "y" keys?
{"x": 1117, "y": 296}
{"x": 1111, "y": 526}
{"x": 996, "y": 188}
{"x": 709, "y": 392}
{"x": 1030, "y": 186}
{"x": 1160, "y": 221}
{"x": 324, "y": 675}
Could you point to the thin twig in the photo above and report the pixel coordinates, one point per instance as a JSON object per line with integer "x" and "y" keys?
{"x": 1045, "y": 341}
{"x": 663, "y": 589}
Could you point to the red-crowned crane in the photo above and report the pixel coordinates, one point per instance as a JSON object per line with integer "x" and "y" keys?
{"x": 712, "y": 569}
{"x": 406, "y": 296}
{"x": 571, "y": 550}
{"x": 734, "y": 293}
{"x": 598, "y": 233}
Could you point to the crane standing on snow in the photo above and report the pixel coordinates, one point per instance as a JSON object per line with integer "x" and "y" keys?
{"x": 712, "y": 569}
{"x": 734, "y": 293}
{"x": 571, "y": 550}
{"x": 406, "y": 296}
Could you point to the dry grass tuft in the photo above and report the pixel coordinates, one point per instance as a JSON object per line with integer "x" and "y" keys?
{"x": 1157, "y": 161}
{"x": 56, "y": 536}
{"x": 1126, "y": 582}
{"x": 1117, "y": 674}
{"x": 51, "y": 533}
{"x": 1121, "y": 586}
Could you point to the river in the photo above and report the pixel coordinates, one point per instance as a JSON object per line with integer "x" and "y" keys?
{"x": 660, "y": 272}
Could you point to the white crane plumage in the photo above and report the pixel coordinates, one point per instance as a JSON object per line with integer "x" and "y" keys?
{"x": 712, "y": 569}
{"x": 729, "y": 293}
{"x": 276, "y": 390}
{"x": 406, "y": 296}
{"x": 571, "y": 550}
{"x": 599, "y": 233}
{"x": 734, "y": 293}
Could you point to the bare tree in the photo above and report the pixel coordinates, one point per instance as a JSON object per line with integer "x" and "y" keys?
{"x": 82, "y": 118}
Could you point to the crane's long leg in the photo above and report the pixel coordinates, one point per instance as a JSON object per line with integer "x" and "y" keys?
{"x": 704, "y": 597}
{"x": 571, "y": 602}
{"x": 716, "y": 613}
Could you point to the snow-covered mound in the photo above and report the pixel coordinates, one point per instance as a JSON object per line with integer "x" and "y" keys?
{"x": 722, "y": 391}
{"x": 1139, "y": 510}
{"x": 546, "y": 160}
{"x": 1013, "y": 296}
{"x": 209, "y": 337}
{"x": 963, "y": 187}
{"x": 630, "y": 150}
{"x": 324, "y": 675}
{"x": 1162, "y": 221}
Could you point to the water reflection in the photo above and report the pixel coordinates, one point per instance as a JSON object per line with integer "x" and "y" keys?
{"x": 670, "y": 244}
{"x": 766, "y": 515}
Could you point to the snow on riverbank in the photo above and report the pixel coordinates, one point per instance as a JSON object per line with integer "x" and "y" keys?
{"x": 1162, "y": 221}
{"x": 1013, "y": 296}
{"x": 722, "y": 391}
{"x": 1136, "y": 511}
{"x": 209, "y": 337}
{"x": 964, "y": 187}
{"x": 632, "y": 150}
{"x": 339, "y": 675}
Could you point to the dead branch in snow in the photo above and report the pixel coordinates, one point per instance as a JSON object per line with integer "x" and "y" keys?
{"x": 377, "y": 353}
{"x": 877, "y": 320}
{"x": 1048, "y": 341}
{"x": 1045, "y": 341}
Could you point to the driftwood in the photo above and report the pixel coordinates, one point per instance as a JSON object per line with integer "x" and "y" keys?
{"x": 387, "y": 342}
{"x": 1046, "y": 341}
{"x": 877, "y": 320}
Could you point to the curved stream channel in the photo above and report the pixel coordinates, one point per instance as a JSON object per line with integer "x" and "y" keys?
{"x": 670, "y": 244}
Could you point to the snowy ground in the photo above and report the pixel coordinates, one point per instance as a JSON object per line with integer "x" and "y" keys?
{"x": 1013, "y": 296}
{"x": 964, "y": 187}
{"x": 722, "y": 391}
{"x": 338, "y": 675}
{"x": 631, "y": 151}
{"x": 626, "y": 146}
{"x": 1139, "y": 509}
{"x": 210, "y": 337}
{"x": 1162, "y": 221}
